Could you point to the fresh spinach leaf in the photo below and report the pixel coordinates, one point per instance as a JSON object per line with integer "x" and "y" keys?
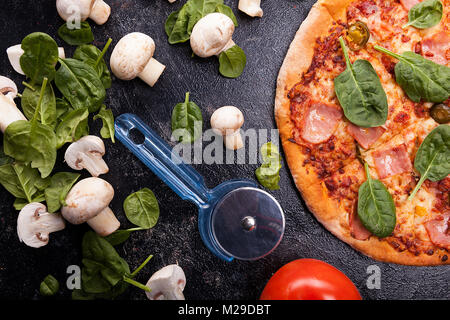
{"x": 22, "y": 181}
{"x": 268, "y": 174}
{"x": 187, "y": 121}
{"x": 39, "y": 58}
{"x": 226, "y": 10}
{"x": 376, "y": 208}
{"x": 80, "y": 84}
{"x": 142, "y": 208}
{"x": 108, "y": 130}
{"x": 62, "y": 108}
{"x": 232, "y": 62}
{"x": 94, "y": 57}
{"x": 76, "y": 36}
{"x": 420, "y": 78}
{"x": 60, "y": 185}
{"x": 425, "y": 14}
{"x": 49, "y": 286}
{"x": 360, "y": 93}
{"x": 197, "y": 9}
{"x": 47, "y": 113}
{"x": 120, "y": 236}
{"x": 433, "y": 157}
{"x": 72, "y": 127}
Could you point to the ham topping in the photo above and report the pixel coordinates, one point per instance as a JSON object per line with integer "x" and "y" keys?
{"x": 357, "y": 229}
{"x": 437, "y": 47}
{"x": 320, "y": 122}
{"x": 365, "y": 136}
{"x": 408, "y": 4}
{"x": 392, "y": 161}
{"x": 439, "y": 231}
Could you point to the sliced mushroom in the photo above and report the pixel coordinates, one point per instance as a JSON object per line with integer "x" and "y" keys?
{"x": 15, "y": 52}
{"x": 34, "y": 224}
{"x": 167, "y": 284}
{"x": 227, "y": 122}
{"x": 97, "y": 10}
{"x": 133, "y": 57}
{"x": 251, "y": 7}
{"x": 9, "y": 112}
{"x": 212, "y": 35}
{"x": 87, "y": 153}
{"x": 88, "y": 201}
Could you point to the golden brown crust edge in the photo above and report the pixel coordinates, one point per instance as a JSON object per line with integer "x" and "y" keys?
{"x": 314, "y": 193}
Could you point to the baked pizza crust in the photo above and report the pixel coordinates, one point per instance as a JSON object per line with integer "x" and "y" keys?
{"x": 314, "y": 192}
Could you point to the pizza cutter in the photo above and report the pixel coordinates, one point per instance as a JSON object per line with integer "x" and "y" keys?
{"x": 236, "y": 219}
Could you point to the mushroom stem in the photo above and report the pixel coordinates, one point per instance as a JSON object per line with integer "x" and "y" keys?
{"x": 251, "y": 7}
{"x": 233, "y": 141}
{"x": 100, "y": 12}
{"x": 104, "y": 223}
{"x": 9, "y": 112}
{"x": 51, "y": 222}
{"x": 152, "y": 72}
{"x": 94, "y": 163}
{"x": 229, "y": 45}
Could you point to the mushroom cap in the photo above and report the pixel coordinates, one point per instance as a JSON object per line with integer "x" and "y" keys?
{"x": 34, "y": 224}
{"x": 67, "y": 8}
{"x": 211, "y": 34}
{"x": 87, "y": 199}
{"x": 131, "y": 55}
{"x": 167, "y": 284}
{"x": 87, "y": 144}
{"x": 227, "y": 120}
{"x": 8, "y": 88}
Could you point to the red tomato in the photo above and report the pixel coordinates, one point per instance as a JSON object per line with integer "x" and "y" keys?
{"x": 309, "y": 279}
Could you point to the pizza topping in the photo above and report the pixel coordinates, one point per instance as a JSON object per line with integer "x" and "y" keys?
{"x": 425, "y": 14}
{"x": 320, "y": 123}
{"x": 437, "y": 47}
{"x": 392, "y": 161}
{"x": 439, "y": 231}
{"x": 357, "y": 229}
{"x": 440, "y": 113}
{"x": 365, "y": 136}
{"x": 358, "y": 35}
{"x": 408, "y": 4}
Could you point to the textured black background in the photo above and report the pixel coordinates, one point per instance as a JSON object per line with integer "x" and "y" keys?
{"x": 175, "y": 238}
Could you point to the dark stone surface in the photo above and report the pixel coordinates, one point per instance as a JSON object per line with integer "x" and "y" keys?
{"x": 175, "y": 238}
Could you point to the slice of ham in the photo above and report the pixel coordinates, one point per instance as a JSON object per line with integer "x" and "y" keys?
{"x": 320, "y": 122}
{"x": 439, "y": 231}
{"x": 408, "y": 4}
{"x": 365, "y": 136}
{"x": 437, "y": 47}
{"x": 392, "y": 161}
{"x": 357, "y": 229}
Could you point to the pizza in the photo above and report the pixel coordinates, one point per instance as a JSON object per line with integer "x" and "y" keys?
{"x": 356, "y": 123}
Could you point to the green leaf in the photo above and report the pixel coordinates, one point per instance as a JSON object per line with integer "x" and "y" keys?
{"x": 360, "y": 93}
{"x": 425, "y": 14}
{"x": 420, "y": 78}
{"x": 94, "y": 57}
{"x": 49, "y": 286}
{"x": 39, "y": 58}
{"x": 226, "y": 10}
{"x": 120, "y": 236}
{"x": 376, "y": 208}
{"x": 187, "y": 121}
{"x": 73, "y": 126}
{"x": 108, "y": 130}
{"x": 47, "y": 113}
{"x": 268, "y": 174}
{"x": 20, "y": 180}
{"x": 60, "y": 185}
{"x": 76, "y": 36}
{"x": 142, "y": 208}
{"x": 62, "y": 108}
{"x": 80, "y": 84}
{"x": 232, "y": 62}
{"x": 433, "y": 157}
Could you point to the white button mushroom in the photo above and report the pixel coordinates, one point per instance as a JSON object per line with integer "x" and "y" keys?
{"x": 212, "y": 34}
{"x": 172, "y": 1}
{"x": 87, "y": 153}
{"x": 167, "y": 284}
{"x": 88, "y": 201}
{"x": 97, "y": 10}
{"x": 227, "y": 122}
{"x": 15, "y": 52}
{"x": 133, "y": 57}
{"x": 34, "y": 224}
{"x": 251, "y": 7}
{"x": 8, "y": 109}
